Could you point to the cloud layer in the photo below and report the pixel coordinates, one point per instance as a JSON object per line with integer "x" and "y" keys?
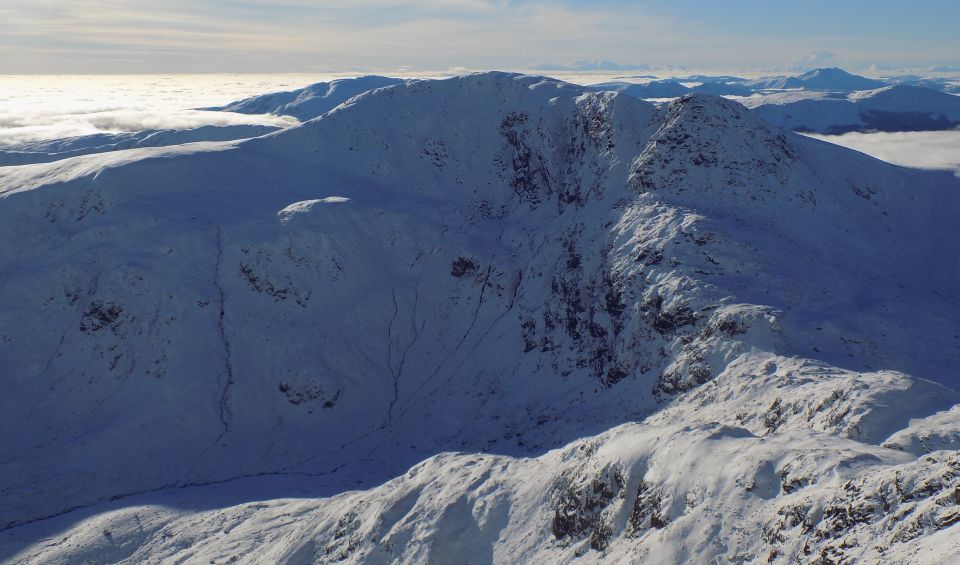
{"x": 36, "y": 108}
{"x": 923, "y": 149}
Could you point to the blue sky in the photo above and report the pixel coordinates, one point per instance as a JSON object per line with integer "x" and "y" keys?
{"x": 149, "y": 36}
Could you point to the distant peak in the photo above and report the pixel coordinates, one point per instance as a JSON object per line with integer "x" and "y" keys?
{"x": 828, "y": 71}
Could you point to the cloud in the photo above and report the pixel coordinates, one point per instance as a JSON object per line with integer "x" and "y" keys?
{"x": 59, "y": 36}
{"x": 581, "y": 66}
{"x": 36, "y": 108}
{"x": 814, "y": 60}
{"x": 259, "y": 36}
{"x": 25, "y": 127}
{"x": 923, "y": 149}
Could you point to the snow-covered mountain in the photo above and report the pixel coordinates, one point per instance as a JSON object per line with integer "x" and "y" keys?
{"x": 827, "y": 79}
{"x": 720, "y": 88}
{"x": 893, "y": 108}
{"x": 673, "y": 88}
{"x": 941, "y": 84}
{"x": 652, "y": 89}
{"x": 54, "y": 150}
{"x": 311, "y": 101}
{"x": 490, "y": 318}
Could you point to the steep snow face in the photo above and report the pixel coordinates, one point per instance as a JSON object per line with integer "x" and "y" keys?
{"x": 47, "y": 151}
{"x": 893, "y": 108}
{"x": 311, "y": 101}
{"x": 492, "y": 263}
{"x": 828, "y": 79}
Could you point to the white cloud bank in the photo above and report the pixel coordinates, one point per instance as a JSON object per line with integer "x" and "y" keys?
{"x": 21, "y": 128}
{"x": 38, "y": 108}
{"x": 923, "y": 149}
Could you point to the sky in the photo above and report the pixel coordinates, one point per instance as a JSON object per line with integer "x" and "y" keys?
{"x": 189, "y": 36}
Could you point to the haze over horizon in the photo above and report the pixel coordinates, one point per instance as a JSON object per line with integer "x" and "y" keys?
{"x": 177, "y": 36}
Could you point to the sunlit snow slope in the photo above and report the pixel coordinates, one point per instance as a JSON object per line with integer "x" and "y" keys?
{"x": 490, "y": 318}
{"x": 311, "y": 101}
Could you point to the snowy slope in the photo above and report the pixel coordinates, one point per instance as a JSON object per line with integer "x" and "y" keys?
{"x": 652, "y": 89}
{"x": 248, "y": 345}
{"x": 941, "y": 84}
{"x": 740, "y": 479}
{"x": 894, "y": 108}
{"x": 311, "y": 101}
{"x": 54, "y": 150}
{"x": 720, "y": 88}
{"x": 673, "y": 89}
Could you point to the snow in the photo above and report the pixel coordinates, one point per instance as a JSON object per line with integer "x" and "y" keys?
{"x": 826, "y": 79}
{"x": 493, "y": 317}
{"x": 669, "y": 89}
{"x": 311, "y": 101}
{"x": 305, "y": 206}
{"x": 695, "y": 490}
{"x": 892, "y": 108}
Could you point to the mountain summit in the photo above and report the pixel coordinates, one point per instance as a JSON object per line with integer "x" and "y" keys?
{"x": 827, "y": 79}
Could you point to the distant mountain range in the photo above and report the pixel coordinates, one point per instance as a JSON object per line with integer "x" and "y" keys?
{"x": 822, "y": 100}
{"x": 672, "y": 89}
{"x": 832, "y": 80}
{"x": 892, "y": 108}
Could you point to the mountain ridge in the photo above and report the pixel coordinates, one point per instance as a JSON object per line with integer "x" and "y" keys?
{"x": 827, "y": 79}
{"x": 892, "y": 108}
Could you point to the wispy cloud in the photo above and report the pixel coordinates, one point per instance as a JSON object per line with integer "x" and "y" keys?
{"x": 814, "y": 60}
{"x": 271, "y": 36}
{"x": 585, "y": 66}
{"x": 249, "y": 35}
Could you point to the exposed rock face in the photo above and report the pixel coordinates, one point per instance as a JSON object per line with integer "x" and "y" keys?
{"x": 493, "y": 264}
